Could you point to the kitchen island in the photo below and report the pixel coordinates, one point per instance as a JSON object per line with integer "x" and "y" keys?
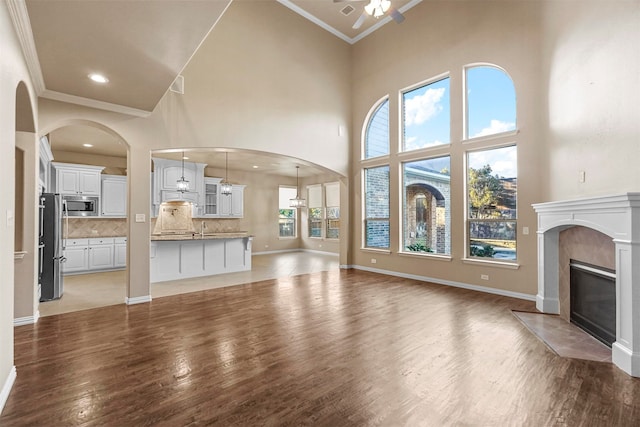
{"x": 187, "y": 255}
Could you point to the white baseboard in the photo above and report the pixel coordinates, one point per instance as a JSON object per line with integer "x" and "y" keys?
{"x": 137, "y": 300}
{"x": 6, "y": 388}
{"x": 312, "y": 251}
{"x": 485, "y": 289}
{"x": 27, "y": 320}
{"x": 281, "y": 251}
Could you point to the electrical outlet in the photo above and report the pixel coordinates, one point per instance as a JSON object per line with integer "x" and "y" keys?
{"x": 582, "y": 175}
{"x": 266, "y": 246}
{"x": 484, "y": 276}
{"x": 373, "y": 260}
{"x": 525, "y": 230}
{"x": 319, "y": 246}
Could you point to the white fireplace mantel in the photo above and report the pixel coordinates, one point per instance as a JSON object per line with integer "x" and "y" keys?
{"x": 617, "y": 216}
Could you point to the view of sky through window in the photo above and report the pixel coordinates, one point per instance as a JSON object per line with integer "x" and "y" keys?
{"x": 491, "y": 102}
{"x": 426, "y": 116}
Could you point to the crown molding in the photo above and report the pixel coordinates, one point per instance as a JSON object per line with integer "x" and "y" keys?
{"x": 339, "y": 34}
{"x": 92, "y": 103}
{"x": 22, "y": 26}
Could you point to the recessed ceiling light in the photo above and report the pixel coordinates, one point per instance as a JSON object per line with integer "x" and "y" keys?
{"x": 256, "y": 166}
{"x": 87, "y": 145}
{"x": 98, "y": 78}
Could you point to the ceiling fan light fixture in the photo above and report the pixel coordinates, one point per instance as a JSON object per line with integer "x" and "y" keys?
{"x": 377, "y": 8}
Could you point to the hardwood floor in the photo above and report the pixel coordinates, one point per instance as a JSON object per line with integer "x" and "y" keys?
{"x": 338, "y": 348}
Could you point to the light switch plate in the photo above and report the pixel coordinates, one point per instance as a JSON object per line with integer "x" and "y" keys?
{"x": 140, "y": 218}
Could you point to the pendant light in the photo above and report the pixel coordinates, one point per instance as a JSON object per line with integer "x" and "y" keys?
{"x": 298, "y": 202}
{"x": 225, "y": 185}
{"x": 182, "y": 184}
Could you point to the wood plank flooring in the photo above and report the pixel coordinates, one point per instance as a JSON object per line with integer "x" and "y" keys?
{"x": 339, "y": 348}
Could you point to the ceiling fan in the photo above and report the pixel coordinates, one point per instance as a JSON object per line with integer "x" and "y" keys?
{"x": 377, "y": 9}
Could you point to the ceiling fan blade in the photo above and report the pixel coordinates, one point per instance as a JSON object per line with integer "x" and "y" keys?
{"x": 360, "y": 21}
{"x": 396, "y": 15}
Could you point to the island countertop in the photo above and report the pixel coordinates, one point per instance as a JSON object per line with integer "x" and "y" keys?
{"x": 198, "y": 236}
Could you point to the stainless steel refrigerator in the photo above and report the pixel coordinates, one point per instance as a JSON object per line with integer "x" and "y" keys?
{"x": 50, "y": 244}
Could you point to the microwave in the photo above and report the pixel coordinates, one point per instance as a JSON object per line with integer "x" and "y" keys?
{"x": 80, "y": 205}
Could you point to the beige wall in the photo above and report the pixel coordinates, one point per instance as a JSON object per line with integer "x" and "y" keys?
{"x": 113, "y": 165}
{"x": 13, "y": 72}
{"x": 590, "y": 68}
{"x": 442, "y": 37}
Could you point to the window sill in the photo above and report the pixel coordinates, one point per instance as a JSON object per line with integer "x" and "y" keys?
{"x": 287, "y": 238}
{"x": 487, "y": 263}
{"x": 377, "y": 251}
{"x": 433, "y": 256}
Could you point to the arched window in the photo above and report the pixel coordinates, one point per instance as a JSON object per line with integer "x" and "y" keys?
{"x": 490, "y": 101}
{"x": 376, "y": 140}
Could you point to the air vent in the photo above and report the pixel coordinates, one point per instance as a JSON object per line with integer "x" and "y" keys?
{"x": 347, "y": 10}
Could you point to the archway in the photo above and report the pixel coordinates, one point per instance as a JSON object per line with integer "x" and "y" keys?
{"x": 96, "y": 244}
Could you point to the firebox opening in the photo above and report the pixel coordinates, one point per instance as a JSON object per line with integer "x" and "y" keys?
{"x": 593, "y": 300}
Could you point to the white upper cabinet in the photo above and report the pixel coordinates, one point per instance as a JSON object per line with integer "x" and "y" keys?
{"x": 165, "y": 188}
{"x": 77, "y": 180}
{"x": 114, "y": 196}
{"x": 232, "y": 205}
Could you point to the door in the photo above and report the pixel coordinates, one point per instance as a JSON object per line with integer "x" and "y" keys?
{"x": 67, "y": 181}
{"x": 76, "y": 259}
{"x": 101, "y": 257}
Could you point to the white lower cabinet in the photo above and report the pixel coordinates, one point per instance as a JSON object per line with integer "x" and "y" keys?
{"x": 120, "y": 252}
{"x": 76, "y": 252}
{"x": 97, "y": 254}
{"x": 101, "y": 254}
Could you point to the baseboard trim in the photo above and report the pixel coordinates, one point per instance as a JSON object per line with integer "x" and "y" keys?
{"x": 484, "y": 289}
{"x": 27, "y": 320}
{"x": 6, "y": 388}
{"x": 137, "y": 300}
{"x": 313, "y": 251}
{"x": 281, "y": 251}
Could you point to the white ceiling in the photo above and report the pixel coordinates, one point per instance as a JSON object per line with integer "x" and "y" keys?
{"x": 141, "y": 47}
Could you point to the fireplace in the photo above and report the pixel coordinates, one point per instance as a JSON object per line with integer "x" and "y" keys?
{"x": 618, "y": 217}
{"x": 593, "y": 300}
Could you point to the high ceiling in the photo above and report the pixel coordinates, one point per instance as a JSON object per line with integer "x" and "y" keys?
{"x": 141, "y": 47}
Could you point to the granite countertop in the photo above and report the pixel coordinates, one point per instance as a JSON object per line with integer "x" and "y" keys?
{"x": 197, "y": 236}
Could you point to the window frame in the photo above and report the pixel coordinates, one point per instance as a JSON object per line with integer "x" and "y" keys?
{"x": 468, "y": 220}
{"x": 365, "y": 219}
{"x": 365, "y": 129}
{"x": 295, "y": 215}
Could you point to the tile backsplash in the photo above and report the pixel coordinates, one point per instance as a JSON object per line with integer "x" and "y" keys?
{"x": 96, "y": 227}
{"x": 117, "y": 227}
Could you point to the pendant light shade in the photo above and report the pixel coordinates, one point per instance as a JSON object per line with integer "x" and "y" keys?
{"x": 298, "y": 202}
{"x": 182, "y": 184}
{"x": 225, "y": 185}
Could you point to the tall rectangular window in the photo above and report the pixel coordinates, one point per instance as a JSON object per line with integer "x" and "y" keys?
{"x": 376, "y": 223}
{"x": 492, "y": 195}
{"x": 332, "y": 206}
{"x": 314, "y": 213}
{"x": 287, "y": 216}
{"x": 427, "y": 206}
{"x": 426, "y": 116}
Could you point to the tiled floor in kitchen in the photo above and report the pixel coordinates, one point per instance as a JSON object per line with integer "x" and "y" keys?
{"x": 85, "y": 291}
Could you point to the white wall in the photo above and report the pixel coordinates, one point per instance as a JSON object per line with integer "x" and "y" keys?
{"x": 591, "y": 71}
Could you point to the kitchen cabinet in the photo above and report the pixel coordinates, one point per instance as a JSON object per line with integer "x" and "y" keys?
{"x": 94, "y": 254}
{"x": 76, "y": 252}
{"x": 166, "y": 174}
{"x": 101, "y": 254}
{"x": 114, "y": 196}
{"x": 73, "y": 179}
{"x": 232, "y": 205}
{"x": 211, "y": 197}
{"x": 120, "y": 252}
{"x": 44, "y": 169}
